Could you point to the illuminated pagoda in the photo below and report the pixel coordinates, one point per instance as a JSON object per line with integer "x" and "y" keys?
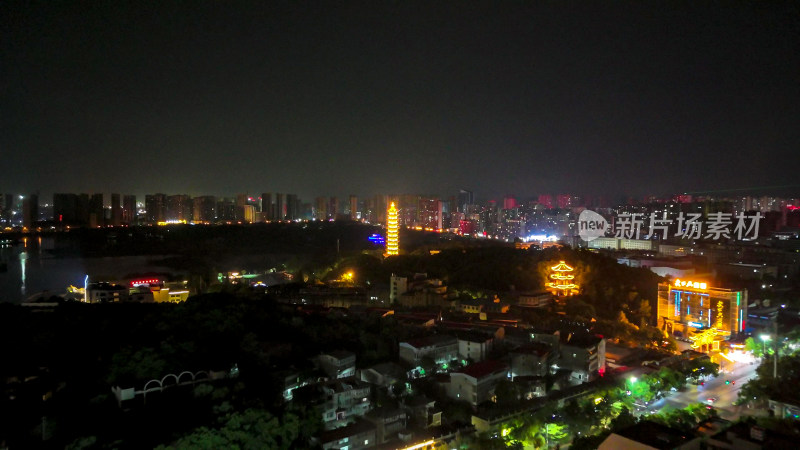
{"x": 562, "y": 277}
{"x": 392, "y": 242}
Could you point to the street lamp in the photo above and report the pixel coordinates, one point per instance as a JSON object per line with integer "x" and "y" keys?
{"x": 764, "y": 339}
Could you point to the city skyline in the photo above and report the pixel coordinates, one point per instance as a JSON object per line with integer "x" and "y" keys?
{"x": 611, "y": 99}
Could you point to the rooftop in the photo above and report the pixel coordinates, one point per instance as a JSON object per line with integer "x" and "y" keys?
{"x": 655, "y": 435}
{"x": 431, "y": 341}
{"x": 359, "y": 427}
{"x": 483, "y": 369}
{"x": 385, "y": 412}
{"x": 340, "y": 354}
{"x": 388, "y": 368}
{"x": 473, "y": 336}
{"x": 534, "y": 348}
{"x": 580, "y": 339}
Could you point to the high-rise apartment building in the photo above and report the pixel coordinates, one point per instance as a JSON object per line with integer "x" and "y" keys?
{"x": 116, "y": 210}
{"x": 68, "y": 210}
{"x": 321, "y": 208}
{"x": 226, "y": 209}
{"x": 546, "y": 201}
{"x": 30, "y": 211}
{"x": 429, "y": 213}
{"x": 509, "y": 202}
{"x": 465, "y": 198}
{"x": 407, "y": 210}
{"x": 353, "y": 200}
{"x": 179, "y": 208}
{"x": 204, "y": 209}
{"x": 292, "y": 207}
{"x": 266, "y": 205}
{"x": 97, "y": 213}
{"x": 333, "y": 207}
{"x": 155, "y": 206}
{"x": 280, "y": 207}
{"x": 129, "y": 213}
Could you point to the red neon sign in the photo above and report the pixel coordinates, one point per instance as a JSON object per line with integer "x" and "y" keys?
{"x": 141, "y": 282}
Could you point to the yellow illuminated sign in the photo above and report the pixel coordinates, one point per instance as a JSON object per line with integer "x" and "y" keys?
{"x": 690, "y": 284}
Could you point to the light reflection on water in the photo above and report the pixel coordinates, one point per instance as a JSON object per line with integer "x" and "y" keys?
{"x": 23, "y": 259}
{"x": 30, "y": 271}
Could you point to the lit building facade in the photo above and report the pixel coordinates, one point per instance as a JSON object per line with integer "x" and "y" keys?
{"x": 430, "y": 213}
{"x": 392, "y": 241}
{"x": 688, "y": 308}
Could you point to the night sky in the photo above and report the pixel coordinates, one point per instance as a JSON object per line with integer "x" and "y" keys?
{"x": 324, "y": 98}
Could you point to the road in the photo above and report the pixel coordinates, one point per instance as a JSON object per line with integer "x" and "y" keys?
{"x": 725, "y": 394}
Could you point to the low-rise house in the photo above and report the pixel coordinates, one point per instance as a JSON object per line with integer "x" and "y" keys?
{"x": 474, "y": 345}
{"x": 417, "y": 291}
{"x": 338, "y": 364}
{"x": 786, "y": 404}
{"x": 471, "y": 306}
{"x": 522, "y": 336}
{"x": 339, "y": 401}
{"x": 584, "y": 355}
{"x": 291, "y": 380}
{"x": 746, "y": 436}
{"x": 541, "y": 299}
{"x": 383, "y": 374}
{"x": 534, "y": 359}
{"x": 531, "y": 387}
{"x": 440, "y": 348}
{"x": 356, "y": 436}
{"x": 550, "y": 336}
{"x": 476, "y": 382}
{"x": 422, "y": 411}
{"x": 648, "y": 435}
{"x": 388, "y": 422}
{"x": 495, "y": 306}
{"x": 106, "y": 293}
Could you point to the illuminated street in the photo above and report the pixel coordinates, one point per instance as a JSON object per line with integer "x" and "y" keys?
{"x": 724, "y": 394}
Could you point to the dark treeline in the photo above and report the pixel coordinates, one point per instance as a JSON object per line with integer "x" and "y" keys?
{"x": 75, "y": 354}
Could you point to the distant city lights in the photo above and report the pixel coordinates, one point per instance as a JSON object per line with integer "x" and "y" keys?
{"x": 540, "y": 238}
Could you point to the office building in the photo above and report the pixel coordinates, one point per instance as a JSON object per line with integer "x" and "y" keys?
{"x": 689, "y": 307}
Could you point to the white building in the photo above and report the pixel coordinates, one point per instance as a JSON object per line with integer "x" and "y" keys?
{"x": 441, "y": 349}
{"x": 476, "y": 382}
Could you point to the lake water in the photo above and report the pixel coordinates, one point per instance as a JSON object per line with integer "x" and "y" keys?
{"x": 32, "y": 270}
